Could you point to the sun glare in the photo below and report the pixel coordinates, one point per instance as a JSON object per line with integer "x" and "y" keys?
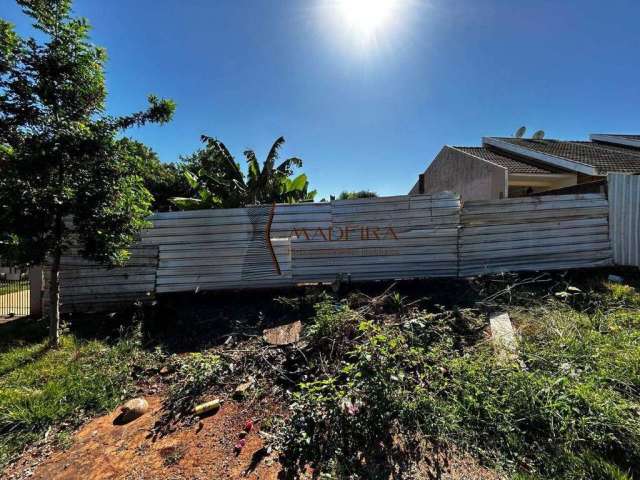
{"x": 367, "y": 27}
{"x": 367, "y": 17}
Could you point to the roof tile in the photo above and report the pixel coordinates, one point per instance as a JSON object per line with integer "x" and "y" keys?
{"x": 511, "y": 164}
{"x": 604, "y": 158}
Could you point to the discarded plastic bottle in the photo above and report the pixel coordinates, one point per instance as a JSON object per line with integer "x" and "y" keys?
{"x": 207, "y": 407}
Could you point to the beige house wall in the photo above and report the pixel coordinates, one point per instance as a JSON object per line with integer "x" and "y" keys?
{"x": 471, "y": 177}
{"x": 524, "y": 184}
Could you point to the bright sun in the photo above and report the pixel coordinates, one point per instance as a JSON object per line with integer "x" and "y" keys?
{"x": 367, "y": 17}
{"x": 367, "y": 27}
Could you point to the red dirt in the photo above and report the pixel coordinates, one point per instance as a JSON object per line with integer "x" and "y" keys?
{"x": 101, "y": 450}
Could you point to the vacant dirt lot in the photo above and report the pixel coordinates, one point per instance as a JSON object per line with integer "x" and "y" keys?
{"x": 101, "y": 450}
{"x": 384, "y": 381}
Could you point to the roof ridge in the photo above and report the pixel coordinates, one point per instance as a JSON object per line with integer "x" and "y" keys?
{"x": 600, "y": 157}
{"x": 553, "y": 159}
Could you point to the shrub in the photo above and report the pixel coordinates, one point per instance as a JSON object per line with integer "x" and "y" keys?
{"x": 195, "y": 374}
{"x": 333, "y": 322}
{"x": 570, "y": 411}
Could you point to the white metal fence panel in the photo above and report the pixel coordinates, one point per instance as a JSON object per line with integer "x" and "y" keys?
{"x": 534, "y": 233}
{"x": 231, "y": 248}
{"x": 366, "y": 239}
{"x": 382, "y": 238}
{"x": 624, "y": 217}
{"x": 87, "y": 286}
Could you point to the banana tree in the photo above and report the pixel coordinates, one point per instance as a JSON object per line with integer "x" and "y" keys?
{"x": 205, "y": 198}
{"x": 296, "y": 190}
{"x": 220, "y": 182}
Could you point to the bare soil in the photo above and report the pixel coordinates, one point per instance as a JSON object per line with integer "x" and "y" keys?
{"x": 205, "y": 450}
{"x": 102, "y": 450}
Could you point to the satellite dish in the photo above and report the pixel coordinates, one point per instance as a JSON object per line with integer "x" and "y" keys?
{"x": 539, "y": 135}
{"x": 520, "y": 132}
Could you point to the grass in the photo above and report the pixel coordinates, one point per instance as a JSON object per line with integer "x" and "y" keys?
{"x": 574, "y": 405}
{"x": 570, "y": 408}
{"x": 42, "y": 388}
{"x": 382, "y": 380}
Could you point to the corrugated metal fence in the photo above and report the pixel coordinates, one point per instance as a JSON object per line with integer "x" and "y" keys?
{"x": 373, "y": 239}
{"x": 624, "y": 217}
{"x": 367, "y": 239}
{"x": 534, "y": 233}
{"x": 86, "y": 286}
{"x": 218, "y": 249}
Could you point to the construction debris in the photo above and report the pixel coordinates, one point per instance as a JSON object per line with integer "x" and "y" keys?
{"x": 568, "y": 293}
{"x": 283, "y": 335}
{"x": 131, "y": 410}
{"x": 240, "y": 445}
{"x": 242, "y": 389}
{"x": 503, "y": 336}
{"x": 248, "y": 425}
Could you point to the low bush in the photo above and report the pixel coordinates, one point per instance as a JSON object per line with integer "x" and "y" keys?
{"x": 569, "y": 408}
{"x": 195, "y": 373}
{"x": 333, "y": 322}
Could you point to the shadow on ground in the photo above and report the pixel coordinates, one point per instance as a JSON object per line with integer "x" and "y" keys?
{"x": 191, "y": 322}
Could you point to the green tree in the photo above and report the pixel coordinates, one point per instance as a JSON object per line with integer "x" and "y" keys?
{"x": 64, "y": 175}
{"x": 219, "y": 181}
{"x": 360, "y": 194}
{"x": 163, "y": 180}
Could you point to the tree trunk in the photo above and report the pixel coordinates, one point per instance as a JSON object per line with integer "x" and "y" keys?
{"x": 54, "y": 302}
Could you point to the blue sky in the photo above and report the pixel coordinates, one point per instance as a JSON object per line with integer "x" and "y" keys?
{"x": 367, "y": 109}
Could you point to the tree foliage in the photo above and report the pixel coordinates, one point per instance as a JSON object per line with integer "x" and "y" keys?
{"x": 163, "y": 180}
{"x": 60, "y": 156}
{"x": 219, "y": 181}
{"x": 346, "y": 195}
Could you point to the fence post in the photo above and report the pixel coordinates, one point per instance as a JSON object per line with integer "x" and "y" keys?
{"x": 35, "y": 295}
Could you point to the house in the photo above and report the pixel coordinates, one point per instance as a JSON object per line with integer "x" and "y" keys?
{"x": 516, "y": 167}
